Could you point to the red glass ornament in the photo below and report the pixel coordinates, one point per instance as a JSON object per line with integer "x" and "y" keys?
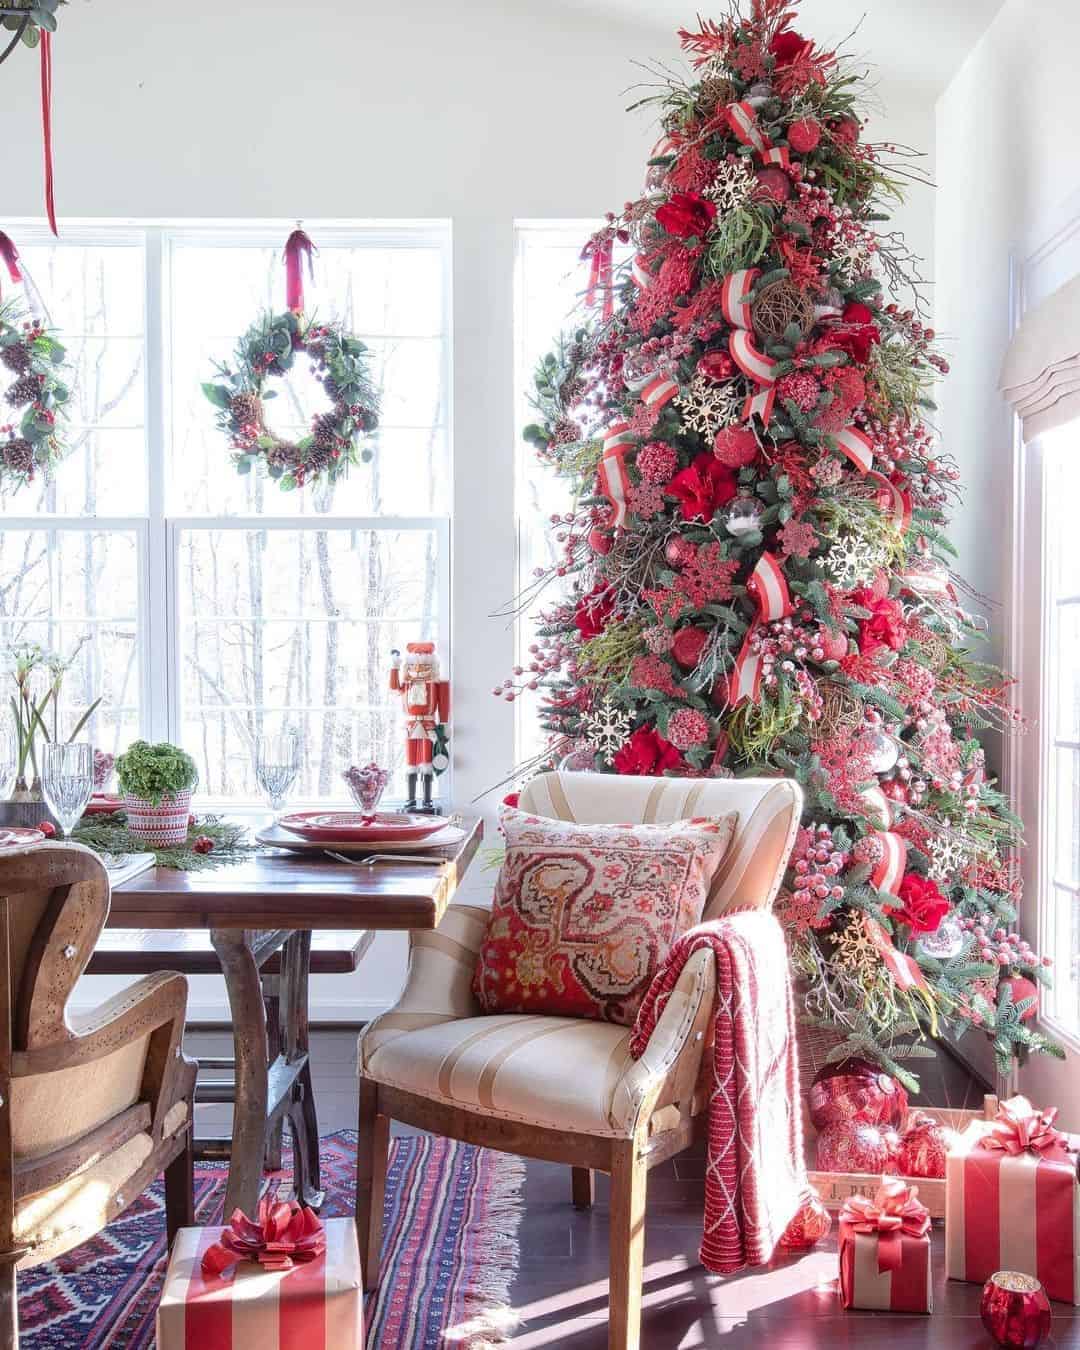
{"x": 1015, "y": 1309}
{"x": 600, "y": 542}
{"x": 809, "y": 1226}
{"x": 775, "y": 182}
{"x": 856, "y": 1146}
{"x": 688, "y": 645}
{"x": 1023, "y": 988}
{"x": 856, "y": 1090}
{"x": 924, "y": 1146}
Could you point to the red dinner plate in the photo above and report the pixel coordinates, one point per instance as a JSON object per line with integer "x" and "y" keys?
{"x": 356, "y": 828}
{"x": 17, "y": 837}
{"x": 102, "y": 803}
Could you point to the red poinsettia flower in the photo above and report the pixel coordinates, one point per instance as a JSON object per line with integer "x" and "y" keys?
{"x": 593, "y": 611}
{"x": 647, "y": 754}
{"x": 884, "y": 628}
{"x": 702, "y": 487}
{"x": 855, "y": 334}
{"x": 687, "y": 214}
{"x": 796, "y": 62}
{"x": 788, "y": 45}
{"x": 922, "y": 906}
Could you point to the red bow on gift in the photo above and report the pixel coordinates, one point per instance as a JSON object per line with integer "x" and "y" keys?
{"x": 1020, "y": 1128}
{"x": 285, "y": 1234}
{"x": 893, "y": 1212}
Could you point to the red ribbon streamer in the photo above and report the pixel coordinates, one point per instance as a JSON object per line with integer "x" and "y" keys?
{"x": 1020, "y": 1127}
{"x": 893, "y": 1212}
{"x": 600, "y": 252}
{"x": 283, "y": 1235}
{"x": 46, "y": 124}
{"x": 297, "y": 247}
{"x": 9, "y": 255}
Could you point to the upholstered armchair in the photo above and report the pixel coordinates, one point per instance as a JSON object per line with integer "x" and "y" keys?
{"x": 556, "y": 1088}
{"x": 94, "y": 1106}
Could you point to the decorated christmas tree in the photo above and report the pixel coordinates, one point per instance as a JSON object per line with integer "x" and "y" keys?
{"x": 755, "y": 573}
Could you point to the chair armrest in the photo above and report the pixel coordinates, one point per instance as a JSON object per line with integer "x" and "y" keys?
{"x": 438, "y": 986}
{"x": 152, "y": 1009}
{"x": 668, "y": 1069}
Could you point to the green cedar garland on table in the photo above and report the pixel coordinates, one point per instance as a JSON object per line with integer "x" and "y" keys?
{"x": 109, "y": 834}
{"x": 269, "y": 348}
{"x": 758, "y": 569}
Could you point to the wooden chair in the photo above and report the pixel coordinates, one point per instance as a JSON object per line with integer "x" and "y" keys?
{"x": 565, "y": 1089}
{"x": 92, "y": 1106}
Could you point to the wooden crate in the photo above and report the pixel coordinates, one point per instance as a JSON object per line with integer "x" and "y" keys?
{"x": 835, "y": 1187}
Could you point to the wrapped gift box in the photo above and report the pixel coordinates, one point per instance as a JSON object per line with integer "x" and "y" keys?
{"x": 1014, "y": 1205}
{"x": 315, "y": 1306}
{"x": 885, "y": 1251}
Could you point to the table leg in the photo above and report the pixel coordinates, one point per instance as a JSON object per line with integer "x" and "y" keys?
{"x": 296, "y": 1034}
{"x": 271, "y": 990}
{"x": 242, "y": 984}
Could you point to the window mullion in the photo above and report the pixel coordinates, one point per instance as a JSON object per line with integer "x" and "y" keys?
{"x": 156, "y": 637}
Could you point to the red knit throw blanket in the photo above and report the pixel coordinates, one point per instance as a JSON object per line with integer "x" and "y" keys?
{"x": 755, "y": 1176}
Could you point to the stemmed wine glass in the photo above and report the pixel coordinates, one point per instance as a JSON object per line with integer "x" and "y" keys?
{"x": 67, "y": 780}
{"x": 277, "y": 762}
{"x": 8, "y": 759}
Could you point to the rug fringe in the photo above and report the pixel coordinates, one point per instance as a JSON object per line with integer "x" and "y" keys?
{"x": 494, "y": 1241}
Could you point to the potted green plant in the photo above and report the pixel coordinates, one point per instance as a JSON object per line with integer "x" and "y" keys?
{"x": 156, "y": 783}
{"x": 37, "y": 679}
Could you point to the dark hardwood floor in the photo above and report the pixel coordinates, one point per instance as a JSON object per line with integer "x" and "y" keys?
{"x": 560, "y": 1293}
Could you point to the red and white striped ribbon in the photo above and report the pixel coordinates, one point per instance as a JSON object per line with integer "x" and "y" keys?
{"x": 743, "y": 122}
{"x": 617, "y": 434}
{"x": 904, "y": 969}
{"x": 778, "y": 155}
{"x": 889, "y": 872}
{"x": 641, "y": 275}
{"x": 896, "y": 501}
{"x": 660, "y": 389}
{"x": 770, "y": 592}
{"x": 760, "y": 405}
{"x": 614, "y": 482}
{"x": 858, "y": 447}
{"x": 734, "y": 293}
{"x": 753, "y": 363}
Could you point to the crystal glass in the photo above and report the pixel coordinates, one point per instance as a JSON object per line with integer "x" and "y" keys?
{"x": 67, "y": 780}
{"x": 367, "y": 785}
{"x": 277, "y": 762}
{"x": 8, "y": 759}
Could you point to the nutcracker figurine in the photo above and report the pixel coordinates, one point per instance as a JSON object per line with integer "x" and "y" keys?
{"x": 426, "y": 699}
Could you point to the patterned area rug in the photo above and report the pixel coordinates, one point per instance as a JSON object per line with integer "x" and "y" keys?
{"x": 449, "y": 1254}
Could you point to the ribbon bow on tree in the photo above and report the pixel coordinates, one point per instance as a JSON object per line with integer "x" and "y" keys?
{"x": 893, "y": 1212}
{"x": 1020, "y": 1127}
{"x": 284, "y": 1235}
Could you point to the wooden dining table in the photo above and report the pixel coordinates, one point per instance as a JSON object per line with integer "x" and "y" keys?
{"x": 272, "y": 901}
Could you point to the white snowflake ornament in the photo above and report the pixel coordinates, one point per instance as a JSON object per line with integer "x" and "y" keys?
{"x": 852, "y": 560}
{"x": 608, "y": 730}
{"x": 948, "y": 854}
{"x": 733, "y": 185}
{"x": 705, "y": 406}
{"x": 853, "y": 260}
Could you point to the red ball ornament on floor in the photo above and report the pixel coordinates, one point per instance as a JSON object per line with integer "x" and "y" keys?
{"x": 1015, "y": 1310}
{"x": 854, "y": 1090}
{"x": 857, "y": 1147}
{"x": 1023, "y": 988}
{"x": 810, "y": 1225}
{"x": 923, "y": 1147}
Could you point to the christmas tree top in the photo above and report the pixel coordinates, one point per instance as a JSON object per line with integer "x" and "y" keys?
{"x": 757, "y": 572}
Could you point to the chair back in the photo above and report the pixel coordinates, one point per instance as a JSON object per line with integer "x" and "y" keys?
{"x": 54, "y": 900}
{"x": 769, "y": 812}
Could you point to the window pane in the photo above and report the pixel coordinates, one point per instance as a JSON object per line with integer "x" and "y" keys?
{"x": 294, "y": 628}
{"x": 75, "y": 593}
{"x": 94, "y": 296}
{"x": 390, "y": 295}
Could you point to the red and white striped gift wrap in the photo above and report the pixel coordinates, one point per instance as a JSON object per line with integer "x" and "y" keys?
{"x": 315, "y": 1306}
{"x": 1012, "y": 1212}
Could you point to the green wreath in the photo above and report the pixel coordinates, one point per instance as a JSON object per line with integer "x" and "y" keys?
{"x": 339, "y": 360}
{"x": 36, "y": 397}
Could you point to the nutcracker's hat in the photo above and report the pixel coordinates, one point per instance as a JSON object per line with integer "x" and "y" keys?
{"x": 420, "y": 648}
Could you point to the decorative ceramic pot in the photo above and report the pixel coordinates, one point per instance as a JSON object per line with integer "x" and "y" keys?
{"x": 25, "y": 808}
{"x": 161, "y": 826}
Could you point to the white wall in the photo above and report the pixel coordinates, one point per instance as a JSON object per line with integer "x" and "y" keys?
{"x": 1007, "y": 167}
{"x": 461, "y": 109}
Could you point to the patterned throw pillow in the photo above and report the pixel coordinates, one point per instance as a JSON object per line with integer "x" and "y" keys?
{"x": 585, "y": 915}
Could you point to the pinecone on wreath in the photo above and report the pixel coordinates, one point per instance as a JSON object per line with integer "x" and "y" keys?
{"x": 16, "y": 358}
{"x": 324, "y": 430}
{"x": 246, "y": 410}
{"x": 18, "y": 455}
{"x": 319, "y": 458}
{"x": 25, "y": 390}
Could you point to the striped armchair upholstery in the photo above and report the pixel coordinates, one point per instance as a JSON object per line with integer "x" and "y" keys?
{"x": 436, "y": 1061}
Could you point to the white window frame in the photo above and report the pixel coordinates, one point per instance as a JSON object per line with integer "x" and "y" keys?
{"x": 158, "y": 533}
{"x": 1039, "y": 264}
